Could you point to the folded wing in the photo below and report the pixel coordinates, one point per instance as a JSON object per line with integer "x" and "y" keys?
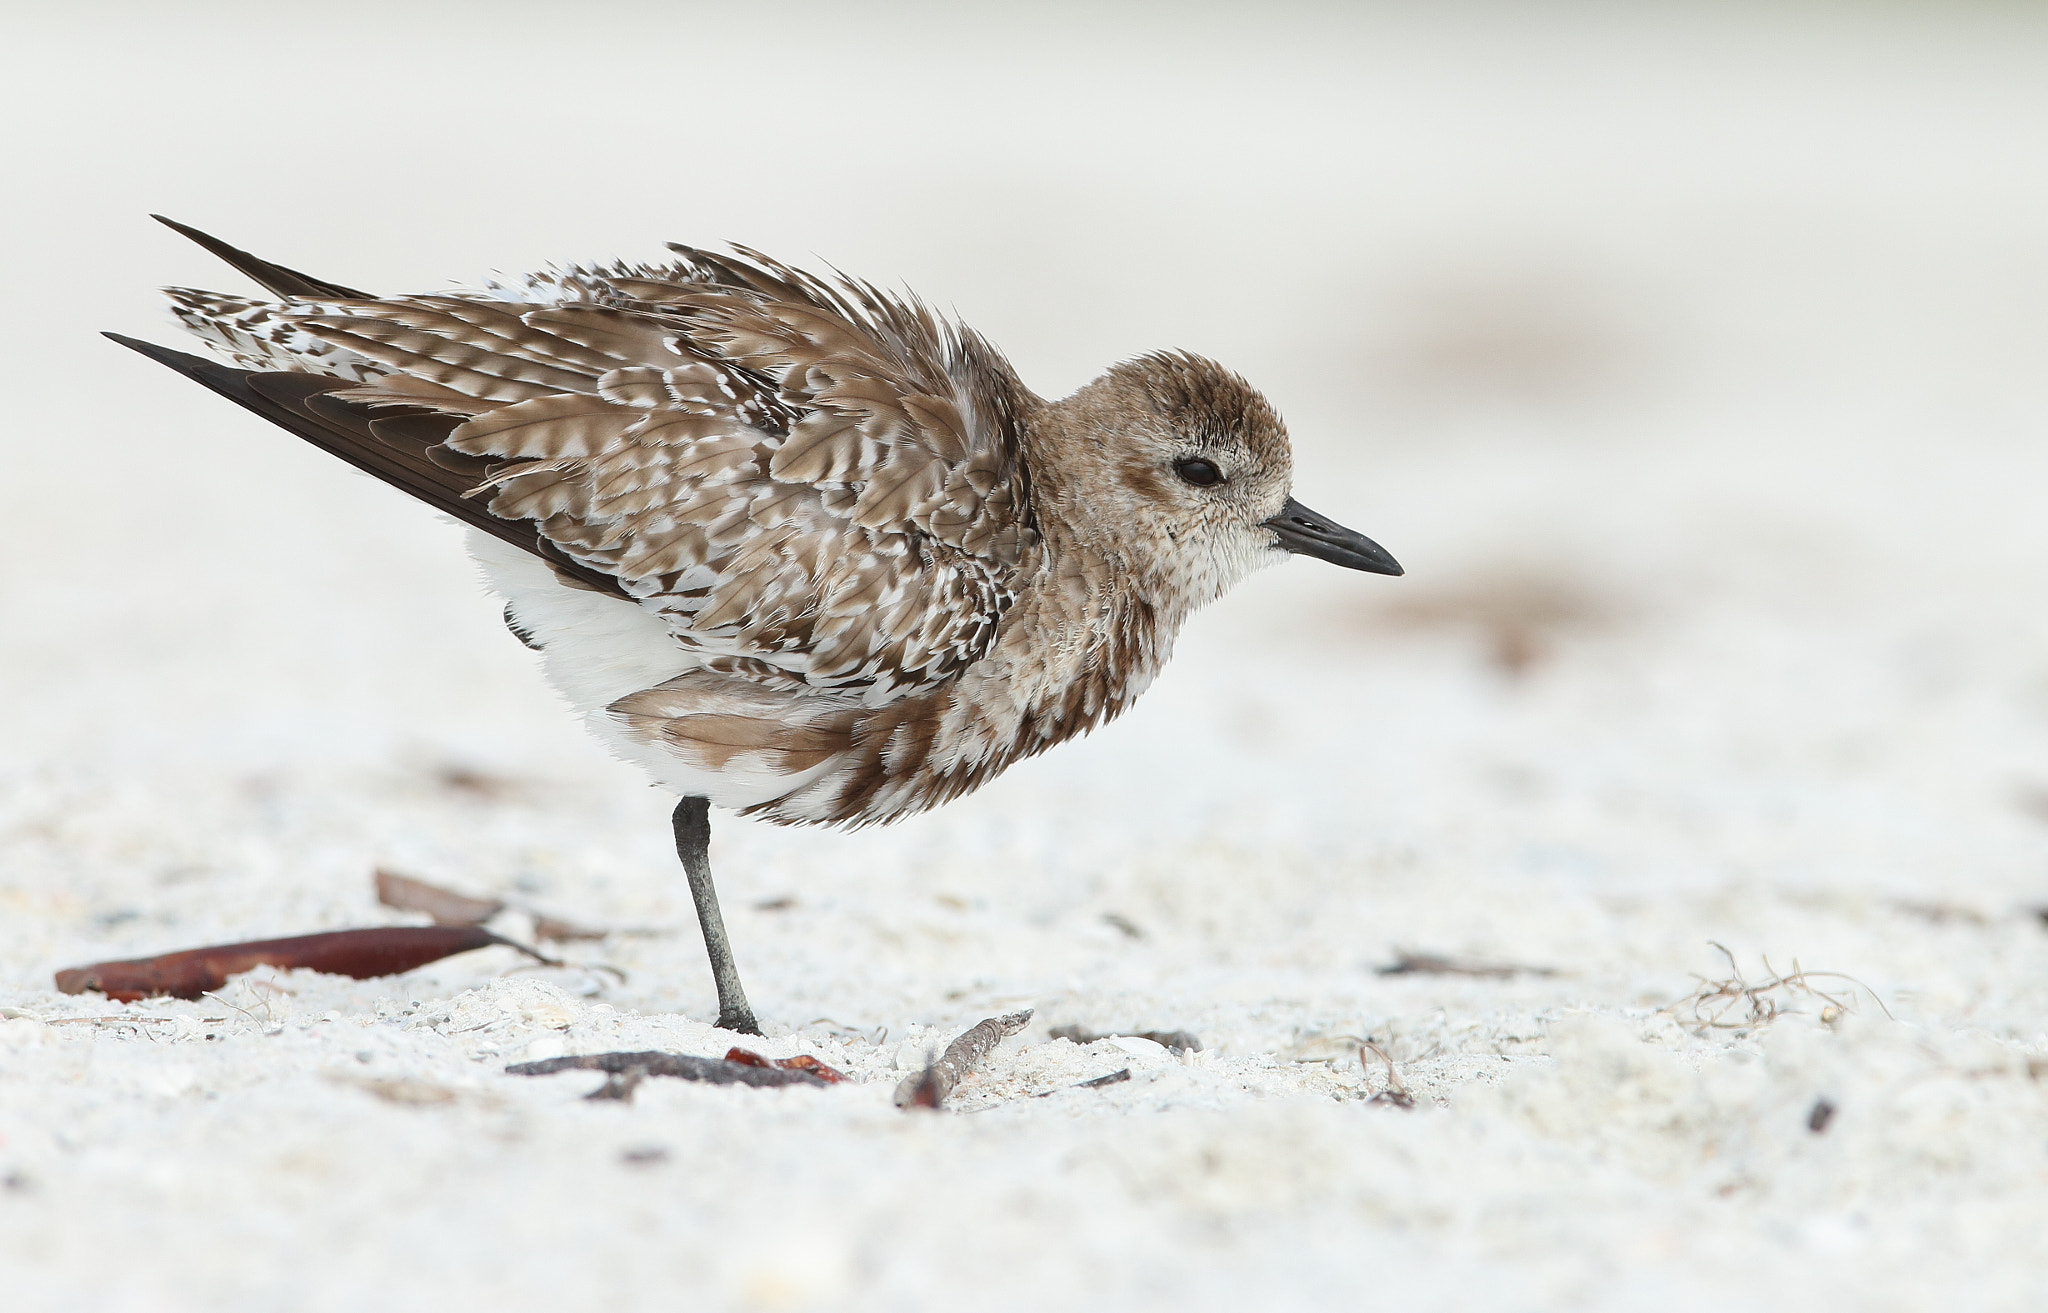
{"x": 813, "y": 483}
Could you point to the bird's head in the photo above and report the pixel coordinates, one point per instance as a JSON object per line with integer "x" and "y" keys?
{"x": 1173, "y": 462}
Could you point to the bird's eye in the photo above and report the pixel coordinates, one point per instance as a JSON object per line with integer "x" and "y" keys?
{"x": 1198, "y": 472}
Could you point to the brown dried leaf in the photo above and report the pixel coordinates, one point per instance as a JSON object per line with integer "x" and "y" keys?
{"x": 444, "y": 905}
{"x": 362, "y": 954}
{"x": 555, "y": 931}
{"x": 801, "y": 1062}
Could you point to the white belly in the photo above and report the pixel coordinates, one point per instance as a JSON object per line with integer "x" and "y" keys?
{"x": 596, "y": 649}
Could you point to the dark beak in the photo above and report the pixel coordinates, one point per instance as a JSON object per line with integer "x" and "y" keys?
{"x": 1305, "y": 533}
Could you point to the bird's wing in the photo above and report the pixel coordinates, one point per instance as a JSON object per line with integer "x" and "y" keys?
{"x": 811, "y": 481}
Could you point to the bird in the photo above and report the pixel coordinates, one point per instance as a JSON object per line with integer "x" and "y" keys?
{"x": 797, "y": 546}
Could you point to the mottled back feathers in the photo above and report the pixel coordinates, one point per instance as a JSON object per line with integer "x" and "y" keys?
{"x": 878, "y": 570}
{"x": 817, "y": 480}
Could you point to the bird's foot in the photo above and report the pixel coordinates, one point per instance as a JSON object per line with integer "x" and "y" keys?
{"x": 740, "y": 1020}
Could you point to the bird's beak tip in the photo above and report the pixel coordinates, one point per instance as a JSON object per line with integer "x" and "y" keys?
{"x": 1305, "y": 533}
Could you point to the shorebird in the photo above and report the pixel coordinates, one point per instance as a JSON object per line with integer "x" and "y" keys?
{"x": 795, "y": 545}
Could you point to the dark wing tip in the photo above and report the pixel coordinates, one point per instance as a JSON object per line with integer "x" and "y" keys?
{"x": 183, "y": 229}
{"x": 275, "y": 278}
{"x": 163, "y": 355}
{"x": 401, "y": 457}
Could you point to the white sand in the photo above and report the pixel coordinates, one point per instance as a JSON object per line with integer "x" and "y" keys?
{"x": 1711, "y": 345}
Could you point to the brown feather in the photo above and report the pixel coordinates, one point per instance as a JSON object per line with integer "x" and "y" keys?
{"x": 826, "y": 493}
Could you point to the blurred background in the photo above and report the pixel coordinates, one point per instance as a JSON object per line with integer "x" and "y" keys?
{"x": 1689, "y": 356}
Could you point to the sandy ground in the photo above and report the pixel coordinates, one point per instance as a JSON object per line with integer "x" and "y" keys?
{"x": 1691, "y": 363}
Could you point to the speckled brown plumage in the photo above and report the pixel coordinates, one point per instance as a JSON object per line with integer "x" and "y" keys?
{"x": 793, "y": 544}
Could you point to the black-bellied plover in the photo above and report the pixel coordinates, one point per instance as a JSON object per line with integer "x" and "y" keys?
{"x": 797, "y": 546}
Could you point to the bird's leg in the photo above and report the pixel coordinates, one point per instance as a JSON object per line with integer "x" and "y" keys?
{"x": 693, "y": 845}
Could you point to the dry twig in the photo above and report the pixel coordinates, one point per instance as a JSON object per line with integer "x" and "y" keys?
{"x": 1117, "y": 1077}
{"x": 1396, "y": 1092}
{"x": 624, "y": 1071}
{"x": 929, "y": 1088}
{"x": 1737, "y": 1003}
